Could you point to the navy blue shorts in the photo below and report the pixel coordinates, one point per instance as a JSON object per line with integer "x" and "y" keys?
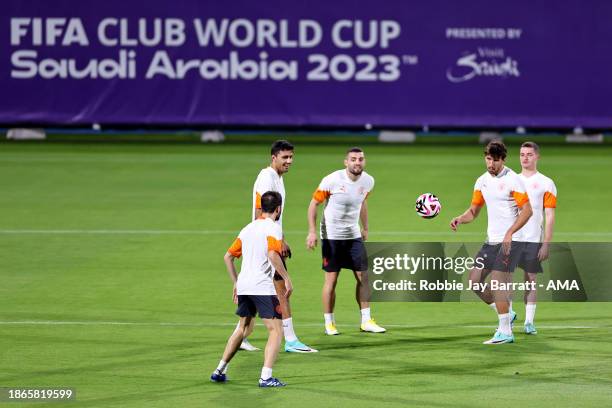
{"x": 496, "y": 260}
{"x": 267, "y": 306}
{"x": 344, "y": 253}
{"x": 529, "y": 261}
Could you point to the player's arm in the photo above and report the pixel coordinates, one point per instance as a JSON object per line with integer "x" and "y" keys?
{"x": 524, "y": 215}
{"x": 525, "y": 212}
{"x": 231, "y": 268}
{"x": 322, "y": 193}
{"x": 277, "y": 263}
{"x": 235, "y": 251}
{"x": 468, "y": 216}
{"x": 363, "y": 217}
{"x": 473, "y": 210}
{"x": 311, "y": 239}
{"x": 549, "y": 214}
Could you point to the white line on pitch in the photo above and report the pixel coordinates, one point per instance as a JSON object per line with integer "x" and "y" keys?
{"x": 179, "y": 324}
{"x": 213, "y": 232}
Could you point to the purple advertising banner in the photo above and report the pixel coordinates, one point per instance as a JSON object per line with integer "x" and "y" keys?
{"x": 316, "y": 63}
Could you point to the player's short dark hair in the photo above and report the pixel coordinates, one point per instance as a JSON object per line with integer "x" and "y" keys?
{"x": 270, "y": 201}
{"x": 354, "y": 150}
{"x": 280, "y": 145}
{"x": 532, "y": 145}
{"x": 496, "y": 149}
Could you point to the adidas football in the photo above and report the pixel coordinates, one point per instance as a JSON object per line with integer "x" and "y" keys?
{"x": 428, "y": 205}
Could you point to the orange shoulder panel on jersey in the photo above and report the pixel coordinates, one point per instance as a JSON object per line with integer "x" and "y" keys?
{"x": 477, "y": 198}
{"x": 520, "y": 198}
{"x": 550, "y": 201}
{"x": 321, "y": 195}
{"x": 274, "y": 244}
{"x": 236, "y": 248}
{"x": 258, "y": 201}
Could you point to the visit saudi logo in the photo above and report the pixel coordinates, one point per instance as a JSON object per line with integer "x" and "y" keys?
{"x": 487, "y": 62}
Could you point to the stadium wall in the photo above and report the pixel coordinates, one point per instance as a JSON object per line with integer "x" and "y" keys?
{"x": 388, "y": 63}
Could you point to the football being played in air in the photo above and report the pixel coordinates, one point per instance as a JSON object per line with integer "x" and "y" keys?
{"x": 428, "y": 205}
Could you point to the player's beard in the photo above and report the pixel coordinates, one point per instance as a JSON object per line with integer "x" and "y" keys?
{"x": 356, "y": 172}
{"x": 494, "y": 172}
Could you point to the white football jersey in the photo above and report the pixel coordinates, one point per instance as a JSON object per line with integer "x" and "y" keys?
{"x": 344, "y": 197}
{"x": 268, "y": 180}
{"x": 253, "y": 244}
{"x": 542, "y": 194}
{"x": 503, "y": 194}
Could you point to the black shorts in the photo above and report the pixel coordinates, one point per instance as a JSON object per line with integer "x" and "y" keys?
{"x": 529, "y": 261}
{"x": 496, "y": 260}
{"x": 344, "y": 253}
{"x": 277, "y": 277}
{"x": 267, "y": 306}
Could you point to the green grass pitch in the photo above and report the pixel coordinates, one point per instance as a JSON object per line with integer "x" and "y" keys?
{"x": 112, "y": 282}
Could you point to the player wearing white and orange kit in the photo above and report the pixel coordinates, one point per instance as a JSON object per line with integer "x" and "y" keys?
{"x": 344, "y": 192}
{"x": 259, "y": 245}
{"x": 508, "y": 210}
{"x": 543, "y": 197}
{"x": 271, "y": 179}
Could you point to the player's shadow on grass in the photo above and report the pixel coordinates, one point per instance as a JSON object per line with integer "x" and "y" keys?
{"x": 388, "y": 339}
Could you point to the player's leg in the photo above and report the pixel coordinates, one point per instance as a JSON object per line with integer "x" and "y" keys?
{"x": 532, "y": 267}
{"x": 356, "y": 258}
{"x": 233, "y": 343}
{"x": 502, "y": 275}
{"x": 275, "y": 336}
{"x": 329, "y": 291}
{"x": 331, "y": 268}
{"x": 246, "y": 311}
{"x": 292, "y": 343}
{"x": 279, "y": 285}
{"x": 530, "y": 303}
{"x": 478, "y": 276}
{"x": 246, "y": 345}
{"x": 503, "y": 334}
{"x": 328, "y": 297}
{"x": 362, "y": 295}
{"x": 267, "y": 308}
{"x": 361, "y": 289}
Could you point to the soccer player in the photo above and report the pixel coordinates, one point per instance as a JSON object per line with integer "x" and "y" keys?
{"x": 345, "y": 192}
{"x": 508, "y": 210}
{"x": 260, "y": 245}
{"x": 271, "y": 179}
{"x": 543, "y": 197}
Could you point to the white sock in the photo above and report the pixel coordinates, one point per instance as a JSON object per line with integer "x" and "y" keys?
{"x": 365, "y": 315}
{"x": 504, "y": 323}
{"x": 266, "y": 373}
{"x": 492, "y": 306}
{"x": 510, "y": 307}
{"x": 329, "y": 318}
{"x": 288, "y": 330}
{"x": 530, "y": 312}
{"x": 222, "y": 367}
